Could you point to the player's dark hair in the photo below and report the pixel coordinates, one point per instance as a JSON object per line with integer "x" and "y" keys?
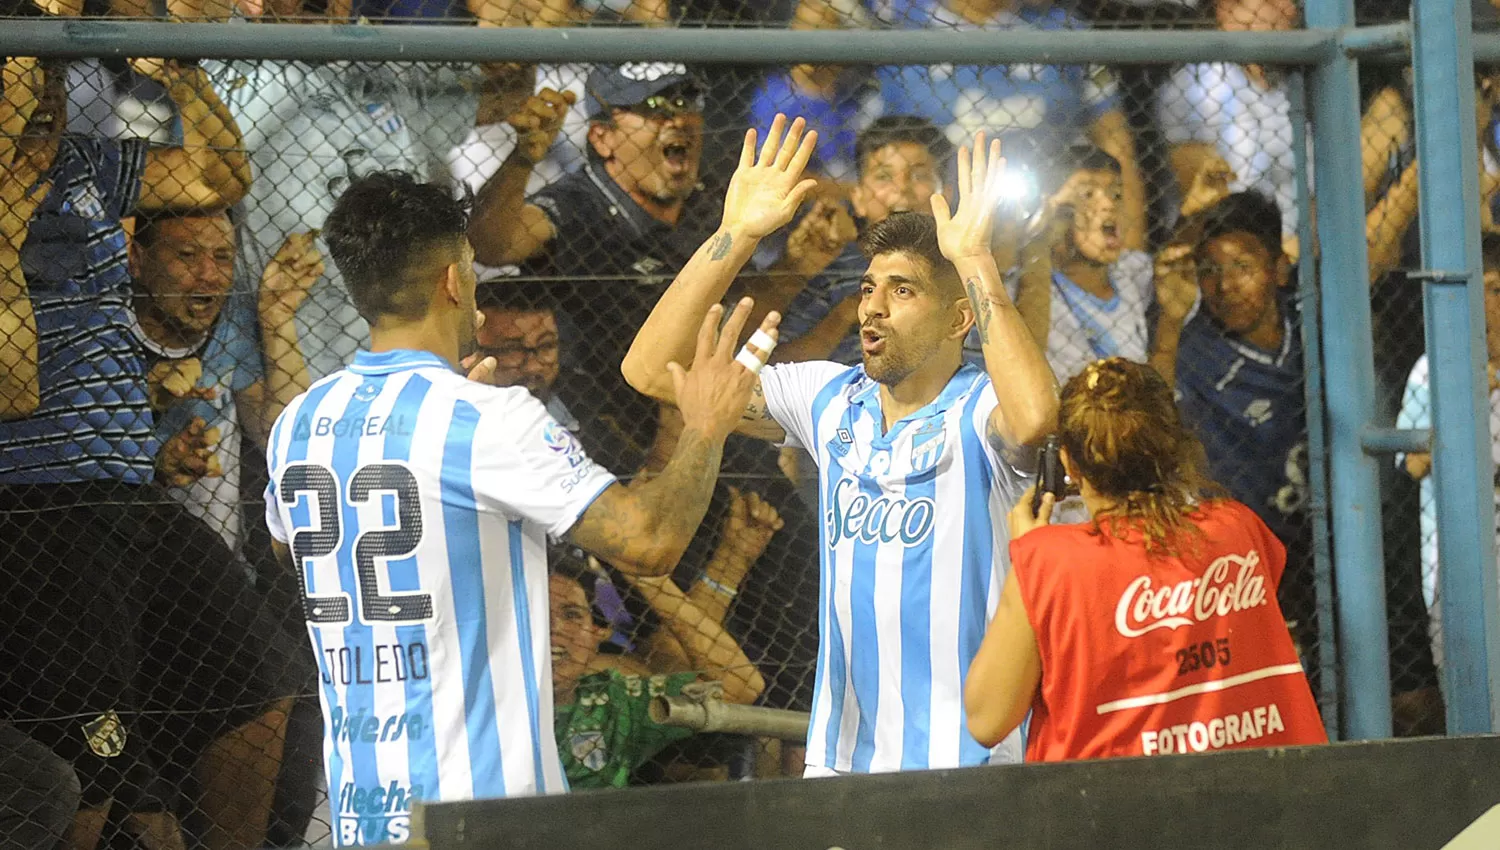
{"x": 1250, "y": 213}
{"x": 913, "y": 234}
{"x": 571, "y": 564}
{"x": 902, "y": 129}
{"x": 518, "y": 296}
{"x": 385, "y": 231}
{"x": 1121, "y": 428}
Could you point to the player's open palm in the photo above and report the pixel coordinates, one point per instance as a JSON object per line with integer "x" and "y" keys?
{"x": 766, "y": 190}
{"x": 965, "y": 232}
{"x": 713, "y": 394}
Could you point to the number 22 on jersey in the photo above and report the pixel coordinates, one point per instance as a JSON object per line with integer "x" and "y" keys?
{"x": 327, "y": 504}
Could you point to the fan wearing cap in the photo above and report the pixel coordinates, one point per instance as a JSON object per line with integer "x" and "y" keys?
{"x": 606, "y": 238}
{"x": 645, "y": 139}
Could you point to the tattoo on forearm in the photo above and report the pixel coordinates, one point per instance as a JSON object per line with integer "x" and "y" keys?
{"x": 983, "y": 312}
{"x": 718, "y": 247}
{"x": 686, "y": 484}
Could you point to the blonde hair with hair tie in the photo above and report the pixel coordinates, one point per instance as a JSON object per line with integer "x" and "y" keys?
{"x": 1120, "y": 425}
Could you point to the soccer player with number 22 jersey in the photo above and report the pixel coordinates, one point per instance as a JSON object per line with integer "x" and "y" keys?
{"x": 414, "y": 505}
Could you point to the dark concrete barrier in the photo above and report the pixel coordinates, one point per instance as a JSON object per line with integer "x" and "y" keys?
{"x": 1390, "y": 795}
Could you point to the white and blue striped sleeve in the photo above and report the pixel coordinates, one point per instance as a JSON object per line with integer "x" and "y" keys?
{"x": 528, "y": 465}
{"x": 791, "y": 391}
{"x": 1012, "y": 479}
{"x": 273, "y": 515}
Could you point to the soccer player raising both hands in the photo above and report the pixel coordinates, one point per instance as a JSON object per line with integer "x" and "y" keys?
{"x": 920, "y": 457}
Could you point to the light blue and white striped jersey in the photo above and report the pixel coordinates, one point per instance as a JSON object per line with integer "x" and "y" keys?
{"x": 417, "y": 504}
{"x": 913, "y": 552}
{"x": 1086, "y": 327}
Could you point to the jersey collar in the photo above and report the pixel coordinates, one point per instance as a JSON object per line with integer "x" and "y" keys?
{"x": 399, "y": 360}
{"x": 867, "y": 398}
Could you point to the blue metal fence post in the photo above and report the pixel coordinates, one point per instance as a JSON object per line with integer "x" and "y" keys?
{"x": 1317, "y": 431}
{"x": 1463, "y": 473}
{"x": 1349, "y": 361}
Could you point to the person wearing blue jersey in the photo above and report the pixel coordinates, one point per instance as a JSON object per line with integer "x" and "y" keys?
{"x": 919, "y": 454}
{"x": 1084, "y": 282}
{"x": 87, "y": 531}
{"x": 1229, "y": 338}
{"x": 415, "y": 506}
{"x": 1032, "y": 107}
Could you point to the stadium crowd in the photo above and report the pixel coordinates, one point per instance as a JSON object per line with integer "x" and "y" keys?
{"x": 168, "y": 292}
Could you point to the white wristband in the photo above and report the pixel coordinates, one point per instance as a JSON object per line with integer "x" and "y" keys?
{"x": 763, "y": 342}
{"x": 747, "y": 359}
{"x": 716, "y": 587}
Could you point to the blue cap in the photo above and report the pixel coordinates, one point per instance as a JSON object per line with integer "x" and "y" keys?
{"x": 624, "y": 86}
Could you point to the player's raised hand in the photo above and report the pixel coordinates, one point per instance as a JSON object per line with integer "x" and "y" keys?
{"x": 713, "y": 394}
{"x": 966, "y": 232}
{"x": 766, "y": 190}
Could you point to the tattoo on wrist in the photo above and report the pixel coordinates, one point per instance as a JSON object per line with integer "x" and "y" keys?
{"x": 983, "y": 312}
{"x": 718, "y": 247}
{"x": 756, "y": 408}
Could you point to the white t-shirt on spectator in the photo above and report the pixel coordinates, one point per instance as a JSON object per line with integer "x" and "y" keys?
{"x": 310, "y": 130}
{"x": 1416, "y": 412}
{"x": 1216, "y": 102}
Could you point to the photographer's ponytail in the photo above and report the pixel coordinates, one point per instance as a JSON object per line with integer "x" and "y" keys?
{"x": 1121, "y": 428}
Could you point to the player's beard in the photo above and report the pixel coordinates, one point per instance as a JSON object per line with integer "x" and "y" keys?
{"x": 895, "y": 363}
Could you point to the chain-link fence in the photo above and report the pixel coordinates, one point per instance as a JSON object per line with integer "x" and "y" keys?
{"x": 177, "y": 294}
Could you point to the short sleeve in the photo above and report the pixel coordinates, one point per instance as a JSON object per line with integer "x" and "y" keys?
{"x": 121, "y": 165}
{"x": 1038, "y": 560}
{"x": 1136, "y": 273}
{"x": 1011, "y": 479}
{"x": 528, "y": 465}
{"x": 239, "y": 332}
{"x": 1266, "y": 541}
{"x": 1416, "y": 399}
{"x": 273, "y": 514}
{"x": 791, "y": 390}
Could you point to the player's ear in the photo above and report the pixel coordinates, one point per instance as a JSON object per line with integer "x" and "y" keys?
{"x": 963, "y": 318}
{"x": 453, "y": 284}
{"x": 1069, "y": 467}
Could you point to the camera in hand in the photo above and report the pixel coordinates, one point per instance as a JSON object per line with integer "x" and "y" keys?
{"x": 1051, "y": 477}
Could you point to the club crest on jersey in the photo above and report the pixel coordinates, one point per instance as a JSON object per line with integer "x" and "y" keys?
{"x": 105, "y": 735}
{"x": 927, "y": 448}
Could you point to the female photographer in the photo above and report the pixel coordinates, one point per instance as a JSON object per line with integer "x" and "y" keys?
{"x": 1153, "y": 629}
